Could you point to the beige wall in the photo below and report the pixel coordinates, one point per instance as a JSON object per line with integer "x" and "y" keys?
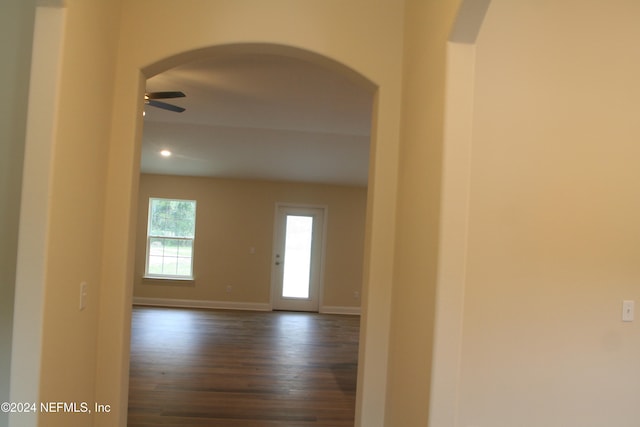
{"x": 427, "y": 27}
{"x": 16, "y": 21}
{"x": 554, "y": 236}
{"x": 74, "y": 213}
{"x": 236, "y": 215}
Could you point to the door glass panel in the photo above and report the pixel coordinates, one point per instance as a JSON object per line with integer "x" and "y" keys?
{"x": 297, "y": 256}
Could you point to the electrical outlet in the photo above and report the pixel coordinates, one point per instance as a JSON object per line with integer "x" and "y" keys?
{"x": 356, "y": 295}
{"x": 228, "y": 289}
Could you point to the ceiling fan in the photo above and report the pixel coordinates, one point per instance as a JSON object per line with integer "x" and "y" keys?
{"x": 150, "y": 98}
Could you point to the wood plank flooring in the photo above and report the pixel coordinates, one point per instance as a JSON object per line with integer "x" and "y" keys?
{"x": 224, "y": 368}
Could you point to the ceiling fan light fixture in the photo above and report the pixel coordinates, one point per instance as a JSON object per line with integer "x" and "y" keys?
{"x": 151, "y": 98}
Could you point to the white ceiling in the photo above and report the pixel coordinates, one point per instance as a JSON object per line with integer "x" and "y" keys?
{"x": 260, "y": 116}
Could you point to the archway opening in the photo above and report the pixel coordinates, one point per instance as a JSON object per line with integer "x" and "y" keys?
{"x": 269, "y": 120}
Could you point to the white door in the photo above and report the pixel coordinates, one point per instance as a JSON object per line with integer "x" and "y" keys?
{"x": 297, "y": 257}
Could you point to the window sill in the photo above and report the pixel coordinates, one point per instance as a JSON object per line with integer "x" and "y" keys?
{"x": 169, "y": 280}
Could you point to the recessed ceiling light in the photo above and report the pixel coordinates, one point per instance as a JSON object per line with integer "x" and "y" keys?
{"x": 165, "y": 153}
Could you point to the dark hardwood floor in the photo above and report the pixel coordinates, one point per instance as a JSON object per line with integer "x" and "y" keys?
{"x": 224, "y": 368}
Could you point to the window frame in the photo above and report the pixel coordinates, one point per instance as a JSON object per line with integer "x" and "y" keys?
{"x": 150, "y": 237}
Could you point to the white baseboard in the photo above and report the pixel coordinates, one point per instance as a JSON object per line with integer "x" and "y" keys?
{"x": 232, "y": 305}
{"x": 335, "y": 309}
{"x": 188, "y": 303}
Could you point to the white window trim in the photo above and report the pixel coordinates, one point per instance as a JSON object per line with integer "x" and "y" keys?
{"x": 169, "y": 277}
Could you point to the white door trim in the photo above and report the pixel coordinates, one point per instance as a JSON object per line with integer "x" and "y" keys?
{"x": 321, "y": 263}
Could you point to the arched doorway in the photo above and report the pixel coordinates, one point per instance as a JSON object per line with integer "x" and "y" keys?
{"x": 242, "y": 103}
{"x": 351, "y": 44}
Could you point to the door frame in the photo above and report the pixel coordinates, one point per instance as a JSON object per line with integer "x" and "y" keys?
{"x": 322, "y": 255}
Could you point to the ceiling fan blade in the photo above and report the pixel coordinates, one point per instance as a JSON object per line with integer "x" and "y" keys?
{"x": 164, "y": 95}
{"x": 164, "y": 106}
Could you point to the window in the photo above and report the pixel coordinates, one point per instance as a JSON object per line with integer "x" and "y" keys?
{"x": 170, "y": 235}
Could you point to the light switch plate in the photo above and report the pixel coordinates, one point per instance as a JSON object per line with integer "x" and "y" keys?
{"x": 627, "y": 310}
{"x": 83, "y": 295}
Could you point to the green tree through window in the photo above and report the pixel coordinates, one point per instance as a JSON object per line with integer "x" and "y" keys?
{"x": 170, "y": 237}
